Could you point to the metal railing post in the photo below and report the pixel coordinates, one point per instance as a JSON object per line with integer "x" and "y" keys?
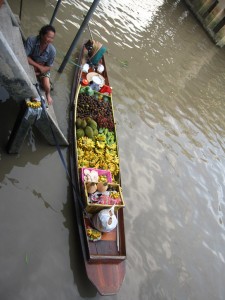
{"x": 21, "y": 7}
{"x": 55, "y": 11}
{"x": 80, "y": 31}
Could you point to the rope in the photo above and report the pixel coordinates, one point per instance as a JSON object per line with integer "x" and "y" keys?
{"x": 62, "y": 54}
{"x": 61, "y": 156}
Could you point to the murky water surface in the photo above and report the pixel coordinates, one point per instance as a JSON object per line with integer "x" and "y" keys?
{"x": 168, "y": 81}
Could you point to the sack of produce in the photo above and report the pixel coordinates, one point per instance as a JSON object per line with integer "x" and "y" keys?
{"x": 105, "y": 220}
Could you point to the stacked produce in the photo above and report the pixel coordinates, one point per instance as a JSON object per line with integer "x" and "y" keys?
{"x": 96, "y": 143}
{"x": 99, "y": 110}
{"x": 86, "y": 127}
{"x": 99, "y": 153}
{"x": 103, "y": 193}
{"x": 95, "y": 175}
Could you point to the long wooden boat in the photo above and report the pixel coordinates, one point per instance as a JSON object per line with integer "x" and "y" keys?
{"x": 104, "y": 259}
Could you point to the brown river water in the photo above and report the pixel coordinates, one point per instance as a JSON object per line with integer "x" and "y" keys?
{"x": 168, "y": 81}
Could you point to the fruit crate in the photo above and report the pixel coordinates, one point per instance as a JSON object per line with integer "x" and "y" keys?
{"x": 100, "y": 172}
{"x": 92, "y": 207}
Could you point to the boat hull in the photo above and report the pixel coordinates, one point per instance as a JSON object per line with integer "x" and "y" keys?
{"x": 104, "y": 260}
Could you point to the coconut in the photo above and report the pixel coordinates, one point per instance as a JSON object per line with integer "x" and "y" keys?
{"x": 91, "y": 187}
{"x": 102, "y": 186}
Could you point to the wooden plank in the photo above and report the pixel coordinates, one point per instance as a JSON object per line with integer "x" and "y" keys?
{"x": 107, "y": 278}
{"x": 214, "y": 17}
{"x": 203, "y": 6}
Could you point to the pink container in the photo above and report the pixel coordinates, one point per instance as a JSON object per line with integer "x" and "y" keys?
{"x": 106, "y": 173}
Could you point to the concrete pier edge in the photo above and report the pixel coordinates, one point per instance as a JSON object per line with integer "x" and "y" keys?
{"x": 17, "y": 77}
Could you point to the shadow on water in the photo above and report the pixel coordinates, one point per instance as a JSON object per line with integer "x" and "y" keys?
{"x": 10, "y": 109}
{"x": 9, "y": 113}
{"x": 34, "y": 149}
{"x": 84, "y": 286}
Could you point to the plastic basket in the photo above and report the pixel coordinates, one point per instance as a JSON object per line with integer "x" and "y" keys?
{"x": 106, "y": 173}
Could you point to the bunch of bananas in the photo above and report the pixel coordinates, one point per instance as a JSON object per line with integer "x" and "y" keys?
{"x": 100, "y": 137}
{"x": 93, "y": 235}
{"x": 33, "y": 104}
{"x": 102, "y": 178}
{"x": 98, "y": 154}
{"x": 85, "y": 143}
{"x": 114, "y": 194}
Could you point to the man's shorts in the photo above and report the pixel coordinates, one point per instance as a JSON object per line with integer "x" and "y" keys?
{"x": 47, "y": 74}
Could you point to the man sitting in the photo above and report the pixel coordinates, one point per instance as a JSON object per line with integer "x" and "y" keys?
{"x": 41, "y": 54}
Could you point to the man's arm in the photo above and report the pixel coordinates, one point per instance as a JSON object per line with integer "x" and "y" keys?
{"x": 29, "y": 49}
{"x": 41, "y": 68}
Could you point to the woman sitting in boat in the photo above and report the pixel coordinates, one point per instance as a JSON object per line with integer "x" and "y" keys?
{"x": 95, "y": 52}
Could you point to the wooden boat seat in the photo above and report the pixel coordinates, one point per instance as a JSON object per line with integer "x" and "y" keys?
{"x": 108, "y": 248}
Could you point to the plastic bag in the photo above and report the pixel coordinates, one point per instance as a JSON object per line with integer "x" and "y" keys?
{"x": 85, "y": 68}
{"x": 105, "y": 220}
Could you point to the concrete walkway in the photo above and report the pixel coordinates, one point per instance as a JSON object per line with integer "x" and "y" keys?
{"x": 15, "y": 73}
{"x": 18, "y": 79}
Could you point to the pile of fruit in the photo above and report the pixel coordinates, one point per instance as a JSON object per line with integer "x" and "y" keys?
{"x": 86, "y": 127}
{"x": 98, "y": 154}
{"x": 102, "y": 178}
{"x": 99, "y": 110}
{"x": 93, "y": 234}
{"x": 96, "y": 142}
{"x": 33, "y": 104}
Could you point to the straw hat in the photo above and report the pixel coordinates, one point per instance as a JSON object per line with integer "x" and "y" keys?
{"x": 96, "y": 78}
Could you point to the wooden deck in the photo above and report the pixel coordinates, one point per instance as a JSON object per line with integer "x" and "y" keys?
{"x": 111, "y": 247}
{"x": 211, "y": 14}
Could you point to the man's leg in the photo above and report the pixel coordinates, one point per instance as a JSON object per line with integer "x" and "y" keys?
{"x": 46, "y": 86}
